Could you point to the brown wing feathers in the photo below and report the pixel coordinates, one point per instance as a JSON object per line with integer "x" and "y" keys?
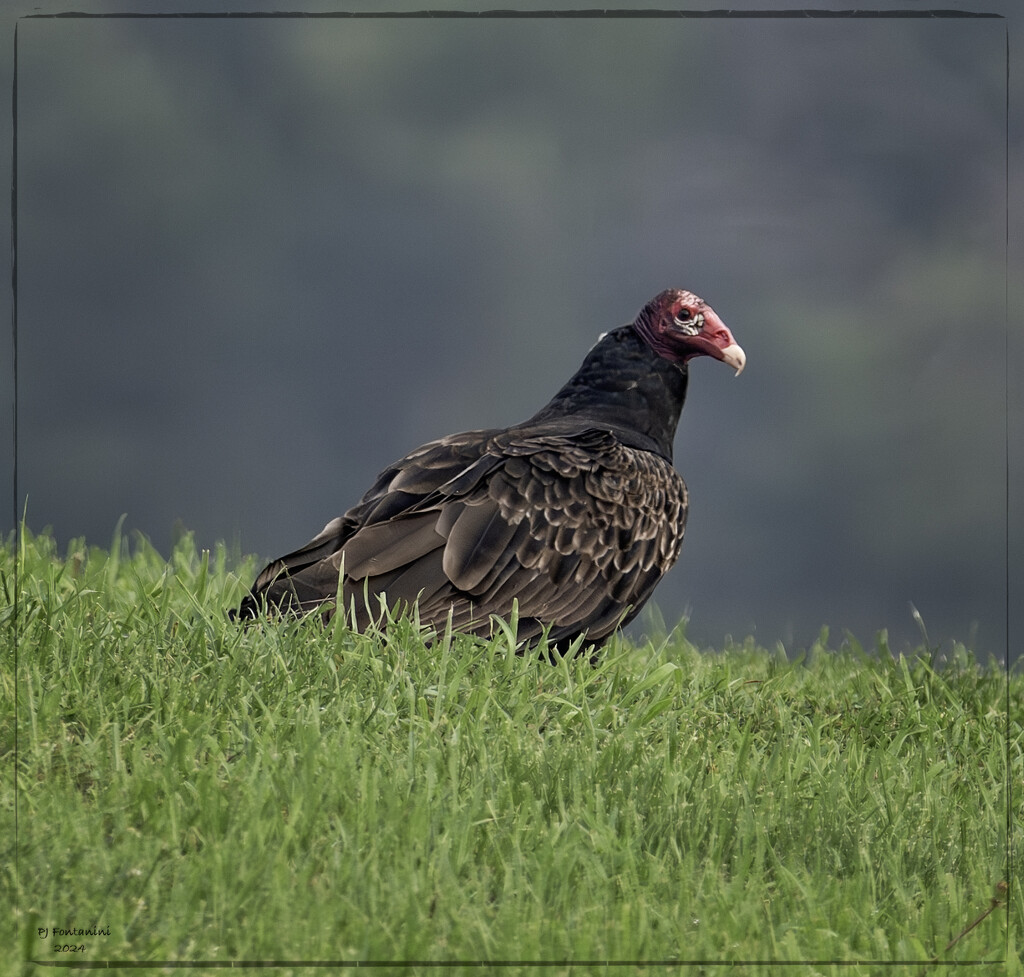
{"x": 561, "y": 531}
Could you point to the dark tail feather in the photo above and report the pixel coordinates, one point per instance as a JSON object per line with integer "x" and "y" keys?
{"x": 285, "y": 596}
{"x": 281, "y": 586}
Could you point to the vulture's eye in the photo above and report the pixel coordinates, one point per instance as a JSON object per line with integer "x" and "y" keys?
{"x": 683, "y": 315}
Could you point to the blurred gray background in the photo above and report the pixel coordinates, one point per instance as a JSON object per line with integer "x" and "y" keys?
{"x": 259, "y": 259}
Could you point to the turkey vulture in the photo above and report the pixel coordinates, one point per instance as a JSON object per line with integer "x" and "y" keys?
{"x": 576, "y": 513}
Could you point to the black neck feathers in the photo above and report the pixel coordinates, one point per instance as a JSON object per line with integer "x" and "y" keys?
{"x": 622, "y": 386}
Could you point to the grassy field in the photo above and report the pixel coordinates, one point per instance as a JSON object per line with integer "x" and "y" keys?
{"x": 189, "y": 790}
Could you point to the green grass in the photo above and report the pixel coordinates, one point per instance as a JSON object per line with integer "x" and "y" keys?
{"x": 289, "y": 792}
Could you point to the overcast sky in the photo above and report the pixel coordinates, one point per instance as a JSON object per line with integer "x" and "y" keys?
{"x": 259, "y": 259}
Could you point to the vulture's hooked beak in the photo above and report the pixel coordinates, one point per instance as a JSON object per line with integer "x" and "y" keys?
{"x": 716, "y": 340}
{"x": 734, "y": 356}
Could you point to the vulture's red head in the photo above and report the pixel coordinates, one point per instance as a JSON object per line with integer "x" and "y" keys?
{"x": 679, "y": 325}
